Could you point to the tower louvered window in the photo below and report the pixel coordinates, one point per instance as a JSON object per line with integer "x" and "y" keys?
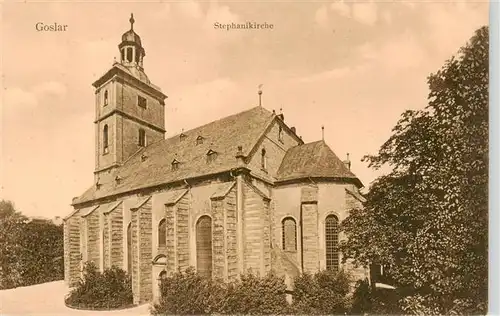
{"x": 332, "y": 242}
{"x": 105, "y": 139}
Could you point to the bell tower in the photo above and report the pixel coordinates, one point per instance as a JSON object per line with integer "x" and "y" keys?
{"x": 129, "y": 109}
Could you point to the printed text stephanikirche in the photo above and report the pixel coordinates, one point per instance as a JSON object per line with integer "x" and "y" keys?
{"x": 244, "y": 26}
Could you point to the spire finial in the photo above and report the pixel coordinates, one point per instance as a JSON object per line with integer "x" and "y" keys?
{"x": 132, "y": 21}
{"x": 323, "y": 132}
{"x": 260, "y": 94}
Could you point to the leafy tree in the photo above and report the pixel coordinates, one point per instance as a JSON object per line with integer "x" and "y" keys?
{"x": 428, "y": 218}
{"x": 11, "y": 223}
{"x": 31, "y": 251}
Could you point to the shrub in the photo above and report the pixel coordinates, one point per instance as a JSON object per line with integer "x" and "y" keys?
{"x": 189, "y": 293}
{"x": 325, "y": 292}
{"x": 361, "y": 299}
{"x": 193, "y": 294}
{"x": 252, "y": 295}
{"x": 107, "y": 290}
{"x": 379, "y": 301}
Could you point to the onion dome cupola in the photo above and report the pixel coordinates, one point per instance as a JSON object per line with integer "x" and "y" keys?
{"x": 131, "y": 51}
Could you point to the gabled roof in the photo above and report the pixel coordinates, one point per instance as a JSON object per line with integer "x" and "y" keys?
{"x": 222, "y": 136}
{"x": 314, "y": 160}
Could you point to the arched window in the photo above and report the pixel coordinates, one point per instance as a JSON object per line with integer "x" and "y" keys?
{"x": 106, "y": 97}
{"x": 289, "y": 234}
{"x": 263, "y": 159}
{"x": 129, "y": 248}
{"x": 161, "y": 277}
{"x": 137, "y": 56}
{"x": 204, "y": 246}
{"x": 129, "y": 54}
{"x": 162, "y": 233}
{"x": 105, "y": 139}
{"x": 142, "y": 137}
{"x": 332, "y": 242}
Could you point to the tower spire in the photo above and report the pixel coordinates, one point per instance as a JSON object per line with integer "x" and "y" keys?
{"x": 323, "y": 132}
{"x": 260, "y": 94}
{"x": 132, "y": 21}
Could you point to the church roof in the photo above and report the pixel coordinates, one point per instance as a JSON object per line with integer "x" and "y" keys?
{"x": 223, "y": 137}
{"x": 313, "y": 160}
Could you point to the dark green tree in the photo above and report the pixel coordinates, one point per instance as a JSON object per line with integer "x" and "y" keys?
{"x": 11, "y": 224}
{"x": 428, "y": 218}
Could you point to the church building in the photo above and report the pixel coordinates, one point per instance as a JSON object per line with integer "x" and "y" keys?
{"x": 243, "y": 193}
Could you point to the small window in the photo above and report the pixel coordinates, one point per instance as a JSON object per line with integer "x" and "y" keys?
{"x": 129, "y": 54}
{"x": 175, "y": 165}
{"x": 182, "y": 137}
{"x": 263, "y": 159}
{"x": 142, "y": 102}
{"x": 280, "y": 134}
{"x": 199, "y": 140}
{"x": 136, "y": 56}
{"x": 162, "y": 233}
{"x": 105, "y": 97}
{"x": 142, "y": 137}
{"x": 105, "y": 139}
{"x": 211, "y": 156}
{"x": 122, "y": 54}
{"x": 289, "y": 234}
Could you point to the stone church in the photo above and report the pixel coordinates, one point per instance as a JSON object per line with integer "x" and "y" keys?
{"x": 243, "y": 193}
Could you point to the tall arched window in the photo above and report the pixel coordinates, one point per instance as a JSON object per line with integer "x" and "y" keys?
{"x": 162, "y": 233}
{"x": 106, "y": 97}
{"x": 263, "y": 159}
{"x": 105, "y": 138}
{"x": 204, "y": 246}
{"x": 142, "y": 137}
{"x": 332, "y": 242}
{"x": 129, "y": 248}
{"x": 289, "y": 234}
{"x": 129, "y": 54}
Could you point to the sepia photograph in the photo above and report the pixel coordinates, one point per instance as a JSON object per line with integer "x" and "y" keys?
{"x": 234, "y": 158}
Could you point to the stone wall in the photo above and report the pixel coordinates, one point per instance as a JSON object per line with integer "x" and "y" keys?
{"x": 253, "y": 228}
{"x": 182, "y": 221}
{"x": 231, "y": 241}
{"x": 218, "y": 239}
{"x": 145, "y": 252}
{"x": 116, "y": 236}
{"x": 72, "y": 249}
{"x": 171, "y": 240}
{"x": 93, "y": 237}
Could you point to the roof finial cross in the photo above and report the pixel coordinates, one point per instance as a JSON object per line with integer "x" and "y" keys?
{"x": 323, "y": 132}
{"x": 132, "y": 21}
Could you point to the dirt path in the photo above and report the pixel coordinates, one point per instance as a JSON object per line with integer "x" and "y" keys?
{"x": 48, "y": 299}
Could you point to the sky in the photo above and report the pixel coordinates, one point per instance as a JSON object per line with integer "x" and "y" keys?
{"x": 352, "y": 67}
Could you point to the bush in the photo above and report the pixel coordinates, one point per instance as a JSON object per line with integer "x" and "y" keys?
{"x": 369, "y": 301}
{"x": 252, "y": 295}
{"x": 361, "y": 299}
{"x": 325, "y": 292}
{"x": 107, "y": 290}
{"x": 193, "y": 294}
